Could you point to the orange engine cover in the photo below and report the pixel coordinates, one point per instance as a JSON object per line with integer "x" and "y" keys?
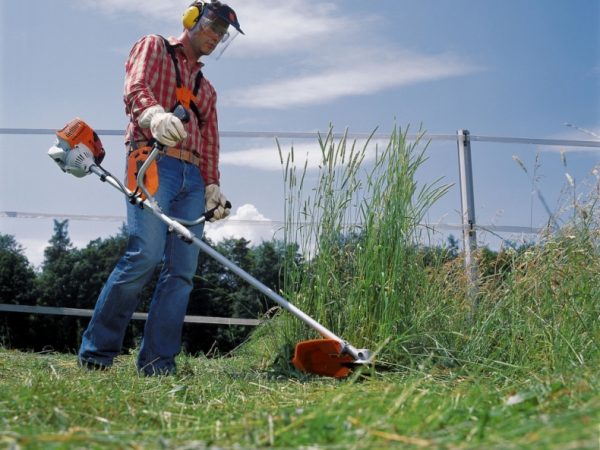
{"x": 79, "y": 132}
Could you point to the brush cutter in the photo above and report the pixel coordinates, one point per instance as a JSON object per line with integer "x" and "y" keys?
{"x": 78, "y": 151}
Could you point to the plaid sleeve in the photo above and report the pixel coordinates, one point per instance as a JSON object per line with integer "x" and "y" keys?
{"x": 210, "y": 139}
{"x": 141, "y": 71}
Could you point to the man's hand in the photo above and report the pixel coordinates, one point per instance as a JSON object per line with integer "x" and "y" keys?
{"x": 215, "y": 199}
{"x": 166, "y": 128}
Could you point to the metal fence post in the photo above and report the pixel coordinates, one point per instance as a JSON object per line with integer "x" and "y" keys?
{"x": 467, "y": 204}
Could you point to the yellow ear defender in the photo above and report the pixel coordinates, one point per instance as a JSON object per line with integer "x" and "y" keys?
{"x": 192, "y": 15}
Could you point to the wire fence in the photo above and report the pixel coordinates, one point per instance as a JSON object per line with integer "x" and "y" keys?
{"x": 492, "y": 228}
{"x": 466, "y": 227}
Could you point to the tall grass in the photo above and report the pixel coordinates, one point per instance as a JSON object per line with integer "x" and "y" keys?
{"x": 369, "y": 276}
{"x": 547, "y": 304}
{"x": 357, "y": 221}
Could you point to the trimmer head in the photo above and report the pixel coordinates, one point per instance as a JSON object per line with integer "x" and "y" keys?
{"x": 326, "y": 357}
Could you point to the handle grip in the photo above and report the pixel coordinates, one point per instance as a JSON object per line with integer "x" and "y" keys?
{"x": 211, "y": 212}
{"x": 181, "y": 113}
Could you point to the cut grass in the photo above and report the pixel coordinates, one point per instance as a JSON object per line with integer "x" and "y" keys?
{"x": 47, "y": 402}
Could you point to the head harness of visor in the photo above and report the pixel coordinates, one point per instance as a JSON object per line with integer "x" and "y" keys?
{"x": 198, "y": 9}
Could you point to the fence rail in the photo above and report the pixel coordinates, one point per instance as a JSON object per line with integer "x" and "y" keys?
{"x": 108, "y": 218}
{"x": 313, "y": 135}
{"x": 54, "y": 310}
{"x": 469, "y": 227}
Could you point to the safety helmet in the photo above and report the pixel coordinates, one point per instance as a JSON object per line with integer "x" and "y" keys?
{"x": 210, "y": 12}
{"x": 218, "y": 17}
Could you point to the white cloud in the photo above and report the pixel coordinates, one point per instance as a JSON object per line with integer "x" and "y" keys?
{"x": 273, "y": 26}
{"x": 246, "y": 223}
{"x": 367, "y": 76}
{"x": 154, "y": 10}
{"x": 331, "y": 47}
{"x": 307, "y": 155}
{"x": 270, "y": 26}
{"x": 268, "y": 158}
{"x": 34, "y": 250}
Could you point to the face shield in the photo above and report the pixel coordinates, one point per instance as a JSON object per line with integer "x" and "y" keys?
{"x": 222, "y": 21}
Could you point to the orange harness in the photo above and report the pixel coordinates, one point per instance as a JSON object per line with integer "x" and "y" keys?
{"x": 138, "y": 155}
{"x": 185, "y": 96}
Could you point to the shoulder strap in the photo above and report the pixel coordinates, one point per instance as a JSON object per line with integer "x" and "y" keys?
{"x": 199, "y": 77}
{"x": 171, "y": 52}
{"x": 193, "y": 106}
{"x": 198, "y": 81}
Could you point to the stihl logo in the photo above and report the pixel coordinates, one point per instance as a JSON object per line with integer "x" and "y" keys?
{"x": 74, "y": 130}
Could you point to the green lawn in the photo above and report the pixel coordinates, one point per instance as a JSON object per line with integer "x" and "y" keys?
{"x": 47, "y": 402}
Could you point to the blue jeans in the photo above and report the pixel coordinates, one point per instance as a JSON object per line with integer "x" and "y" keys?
{"x": 180, "y": 194}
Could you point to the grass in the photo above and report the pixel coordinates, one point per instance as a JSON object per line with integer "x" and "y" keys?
{"x": 358, "y": 220}
{"x": 47, "y": 402}
{"x": 517, "y": 371}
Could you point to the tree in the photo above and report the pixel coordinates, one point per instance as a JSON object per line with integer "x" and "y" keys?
{"x": 60, "y": 244}
{"x": 72, "y": 278}
{"x": 16, "y": 273}
{"x": 17, "y": 286}
{"x": 218, "y": 292}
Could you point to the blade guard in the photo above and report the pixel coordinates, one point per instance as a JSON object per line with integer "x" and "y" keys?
{"x": 322, "y": 357}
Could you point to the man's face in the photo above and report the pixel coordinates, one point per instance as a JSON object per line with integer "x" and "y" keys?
{"x": 206, "y": 38}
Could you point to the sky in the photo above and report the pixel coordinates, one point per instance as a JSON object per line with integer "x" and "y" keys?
{"x": 511, "y": 69}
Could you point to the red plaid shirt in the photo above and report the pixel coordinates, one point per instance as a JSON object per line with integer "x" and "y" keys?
{"x": 150, "y": 80}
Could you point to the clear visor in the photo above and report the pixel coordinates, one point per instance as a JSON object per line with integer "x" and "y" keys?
{"x": 217, "y": 25}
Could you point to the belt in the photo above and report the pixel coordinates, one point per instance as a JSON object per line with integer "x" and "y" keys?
{"x": 183, "y": 154}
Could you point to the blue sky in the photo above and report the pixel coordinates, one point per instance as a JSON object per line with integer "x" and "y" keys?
{"x": 510, "y": 68}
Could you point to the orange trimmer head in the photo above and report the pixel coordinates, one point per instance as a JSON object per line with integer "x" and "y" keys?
{"x": 324, "y": 357}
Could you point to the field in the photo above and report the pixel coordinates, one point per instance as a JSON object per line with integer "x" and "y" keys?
{"x": 509, "y": 363}
{"x": 47, "y": 402}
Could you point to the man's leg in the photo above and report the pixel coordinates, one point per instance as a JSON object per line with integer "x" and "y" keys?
{"x": 104, "y": 335}
{"x": 120, "y": 295}
{"x": 162, "y": 332}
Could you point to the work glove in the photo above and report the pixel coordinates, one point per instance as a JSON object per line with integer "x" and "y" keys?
{"x": 215, "y": 199}
{"x": 165, "y": 127}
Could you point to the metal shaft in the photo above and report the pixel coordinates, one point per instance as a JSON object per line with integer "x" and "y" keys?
{"x": 189, "y": 236}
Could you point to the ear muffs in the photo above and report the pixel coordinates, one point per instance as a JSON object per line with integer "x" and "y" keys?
{"x": 192, "y": 15}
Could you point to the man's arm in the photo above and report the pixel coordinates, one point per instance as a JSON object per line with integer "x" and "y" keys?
{"x": 144, "y": 60}
{"x": 141, "y": 105}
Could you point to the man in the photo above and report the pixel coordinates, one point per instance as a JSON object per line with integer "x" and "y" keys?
{"x": 161, "y": 74}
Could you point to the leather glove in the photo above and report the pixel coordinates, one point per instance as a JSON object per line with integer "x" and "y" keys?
{"x": 215, "y": 199}
{"x": 165, "y": 127}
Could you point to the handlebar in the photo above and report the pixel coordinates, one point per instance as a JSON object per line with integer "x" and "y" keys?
{"x": 182, "y": 114}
